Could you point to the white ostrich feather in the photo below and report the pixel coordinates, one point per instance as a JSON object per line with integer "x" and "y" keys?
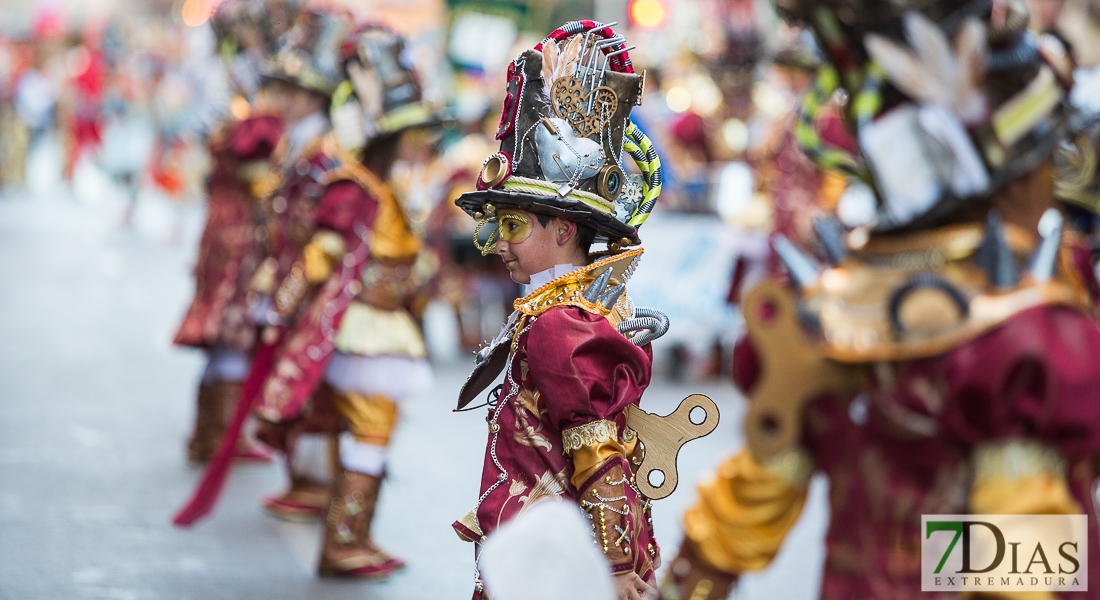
{"x": 932, "y": 72}
{"x": 558, "y": 62}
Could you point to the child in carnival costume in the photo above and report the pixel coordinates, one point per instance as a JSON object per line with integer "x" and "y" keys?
{"x": 229, "y": 252}
{"x": 575, "y": 352}
{"x": 337, "y": 348}
{"x": 351, "y": 350}
{"x": 944, "y": 361}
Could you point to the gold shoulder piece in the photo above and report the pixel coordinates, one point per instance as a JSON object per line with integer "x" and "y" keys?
{"x": 919, "y": 295}
{"x": 392, "y": 237}
{"x": 568, "y": 290}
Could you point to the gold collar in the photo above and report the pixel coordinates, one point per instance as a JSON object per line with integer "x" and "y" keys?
{"x": 568, "y": 289}
{"x": 919, "y": 295}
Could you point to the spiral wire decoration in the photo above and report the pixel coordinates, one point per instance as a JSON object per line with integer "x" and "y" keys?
{"x": 650, "y": 321}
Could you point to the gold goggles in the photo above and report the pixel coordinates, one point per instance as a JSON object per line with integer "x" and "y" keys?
{"x": 511, "y": 227}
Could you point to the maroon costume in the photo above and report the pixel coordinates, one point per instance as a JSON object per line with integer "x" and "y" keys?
{"x": 906, "y": 452}
{"x": 342, "y": 207}
{"x": 943, "y": 362}
{"x": 575, "y": 351}
{"x": 584, "y": 372}
{"x": 558, "y": 427}
{"x": 228, "y": 251}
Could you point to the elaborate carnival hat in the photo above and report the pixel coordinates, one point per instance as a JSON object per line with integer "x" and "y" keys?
{"x": 309, "y": 54}
{"x": 950, "y": 99}
{"x": 798, "y": 49}
{"x": 382, "y": 93}
{"x": 267, "y": 19}
{"x": 246, "y": 33}
{"x": 563, "y": 128}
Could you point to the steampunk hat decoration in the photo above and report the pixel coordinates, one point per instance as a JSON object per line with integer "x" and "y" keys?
{"x": 247, "y": 32}
{"x": 251, "y": 25}
{"x": 564, "y": 126}
{"x": 309, "y": 54}
{"x": 951, "y": 99}
{"x": 382, "y": 94}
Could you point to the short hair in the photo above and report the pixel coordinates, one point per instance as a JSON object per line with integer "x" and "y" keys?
{"x": 585, "y": 234}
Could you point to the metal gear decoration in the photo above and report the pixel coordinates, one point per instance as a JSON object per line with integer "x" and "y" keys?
{"x": 583, "y": 111}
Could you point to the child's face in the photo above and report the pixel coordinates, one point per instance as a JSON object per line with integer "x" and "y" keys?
{"x": 525, "y": 245}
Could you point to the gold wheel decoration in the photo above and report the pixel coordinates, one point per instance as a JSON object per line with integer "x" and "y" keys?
{"x": 610, "y": 181}
{"x": 571, "y": 103}
{"x": 495, "y": 170}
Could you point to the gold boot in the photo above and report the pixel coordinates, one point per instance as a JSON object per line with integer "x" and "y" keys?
{"x": 347, "y": 551}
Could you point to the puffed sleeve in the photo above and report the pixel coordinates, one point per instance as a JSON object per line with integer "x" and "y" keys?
{"x": 1026, "y": 398}
{"x": 586, "y": 370}
{"x": 588, "y": 374}
{"x": 343, "y": 212}
{"x": 344, "y": 207}
{"x": 1033, "y": 377}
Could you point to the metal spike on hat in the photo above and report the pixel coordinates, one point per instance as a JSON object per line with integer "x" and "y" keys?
{"x": 1041, "y": 265}
{"x": 995, "y": 257}
{"x": 804, "y": 270}
{"x": 831, "y": 235}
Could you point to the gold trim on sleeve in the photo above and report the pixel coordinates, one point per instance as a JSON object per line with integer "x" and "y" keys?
{"x": 589, "y": 434}
{"x": 1017, "y": 459}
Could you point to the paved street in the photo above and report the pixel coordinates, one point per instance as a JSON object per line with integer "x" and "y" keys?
{"x": 95, "y": 406}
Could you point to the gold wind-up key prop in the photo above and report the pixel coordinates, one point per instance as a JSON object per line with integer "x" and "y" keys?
{"x": 793, "y": 371}
{"x": 663, "y": 437}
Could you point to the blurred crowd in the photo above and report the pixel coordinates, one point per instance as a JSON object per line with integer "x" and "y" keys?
{"x": 138, "y": 96}
{"x": 261, "y": 111}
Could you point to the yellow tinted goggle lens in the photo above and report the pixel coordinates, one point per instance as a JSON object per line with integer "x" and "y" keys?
{"x": 514, "y": 228}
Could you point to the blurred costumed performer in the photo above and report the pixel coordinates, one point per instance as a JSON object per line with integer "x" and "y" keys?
{"x": 229, "y": 252}
{"x": 575, "y": 353}
{"x": 951, "y": 364}
{"x": 337, "y": 348}
{"x": 1077, "y": 188}
{"x": 358, "y": 347}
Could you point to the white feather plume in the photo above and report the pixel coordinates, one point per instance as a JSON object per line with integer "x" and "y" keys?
{"x": 932, "y": 72}
{"x": 558, "y": 62}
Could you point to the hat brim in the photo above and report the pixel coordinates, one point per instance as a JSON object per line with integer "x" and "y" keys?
{"x": 275, "y": 75}
{"x": 606, "y": 226}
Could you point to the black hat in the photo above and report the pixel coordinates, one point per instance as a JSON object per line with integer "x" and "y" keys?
{"x": 564, "y": 126}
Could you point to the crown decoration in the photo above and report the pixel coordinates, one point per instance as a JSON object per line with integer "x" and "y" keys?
{"x": 564, "y": 126}
{"x": 309, "y": 53}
